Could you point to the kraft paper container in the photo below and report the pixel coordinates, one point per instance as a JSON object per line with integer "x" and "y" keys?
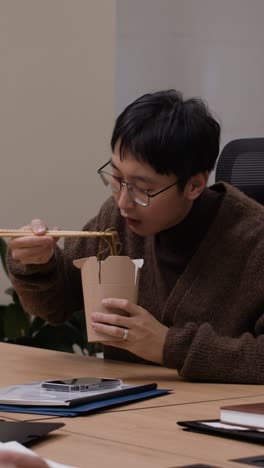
{"x": 114, "y": 277}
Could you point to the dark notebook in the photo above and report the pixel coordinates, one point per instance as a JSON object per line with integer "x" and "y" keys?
{"x": 247, "y": 435}
{"x": 25, "y": 432}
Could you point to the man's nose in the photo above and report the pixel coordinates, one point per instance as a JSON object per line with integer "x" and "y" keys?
{"x": 124, "y": 199}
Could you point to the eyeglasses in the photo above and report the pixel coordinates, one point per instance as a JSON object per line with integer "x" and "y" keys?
{"x": 139, "y": 196}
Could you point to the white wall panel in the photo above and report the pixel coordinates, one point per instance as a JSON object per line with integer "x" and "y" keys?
{"x": 207, "y": 48}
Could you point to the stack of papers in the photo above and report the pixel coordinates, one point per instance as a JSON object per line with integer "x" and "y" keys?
{"x": 32, "y": 398}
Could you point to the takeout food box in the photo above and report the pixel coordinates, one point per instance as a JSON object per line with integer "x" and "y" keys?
{"x": 116, "y": 276}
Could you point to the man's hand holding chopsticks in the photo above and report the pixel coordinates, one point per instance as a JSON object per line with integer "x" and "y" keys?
{"x": 35, "y": 249}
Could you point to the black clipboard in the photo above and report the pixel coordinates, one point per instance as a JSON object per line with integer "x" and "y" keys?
{"x": 249, "y": 435}
{"x": 26, "y": 433}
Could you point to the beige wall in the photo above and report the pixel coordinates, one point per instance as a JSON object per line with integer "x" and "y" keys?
{"x": 57, "y": 109}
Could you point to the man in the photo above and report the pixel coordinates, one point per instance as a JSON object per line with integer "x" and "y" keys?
{"x": 201, "y": 293}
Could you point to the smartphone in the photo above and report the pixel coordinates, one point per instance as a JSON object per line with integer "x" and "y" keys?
{"x": 81, "y": 384}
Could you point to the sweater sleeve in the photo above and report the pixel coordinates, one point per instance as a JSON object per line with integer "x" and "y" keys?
{"x": 200, "y": 354}
{"x": 53, "y": 291}
{"x": 222, "y": 338}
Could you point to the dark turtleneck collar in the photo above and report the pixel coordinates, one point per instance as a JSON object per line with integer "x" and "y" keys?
{"x": 192, "y": 229}
{"x": 175, "y": 246}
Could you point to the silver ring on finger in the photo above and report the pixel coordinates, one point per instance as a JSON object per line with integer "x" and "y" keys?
{"x": 125, "y": 334}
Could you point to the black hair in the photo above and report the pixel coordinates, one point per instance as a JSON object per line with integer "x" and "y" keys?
{"x": 172, "y": 135}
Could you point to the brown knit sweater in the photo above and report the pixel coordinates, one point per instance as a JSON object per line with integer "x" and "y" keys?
{"x": 215, "y": 310}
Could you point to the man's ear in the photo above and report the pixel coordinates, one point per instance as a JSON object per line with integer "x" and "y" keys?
{"x": 196, "y": 185}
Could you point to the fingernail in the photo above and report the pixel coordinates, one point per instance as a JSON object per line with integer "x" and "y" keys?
{"x": 39, "y": 229}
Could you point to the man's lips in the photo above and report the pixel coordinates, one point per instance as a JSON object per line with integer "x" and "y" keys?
{"x": 131, "y": 220}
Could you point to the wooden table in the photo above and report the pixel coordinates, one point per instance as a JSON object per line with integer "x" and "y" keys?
{"x": 25, "y": 364}
{"x": 143, "y": 434}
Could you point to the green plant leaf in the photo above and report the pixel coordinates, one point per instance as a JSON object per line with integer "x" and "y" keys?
{"x": 2, "y": 315}
{"x": 58, "y": 337}
{"x": 11, "y": 292}
{"x": 3, "y": 250}
{"x": 16, "y": 322}
{"x": 36, "y": 324}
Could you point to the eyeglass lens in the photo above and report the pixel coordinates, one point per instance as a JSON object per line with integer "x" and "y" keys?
{"x": 115, "y": 185}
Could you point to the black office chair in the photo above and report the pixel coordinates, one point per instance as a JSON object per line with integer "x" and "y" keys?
{"x": 241, "y": 164}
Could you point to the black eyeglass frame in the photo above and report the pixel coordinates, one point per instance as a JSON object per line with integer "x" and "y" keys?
{"x": 127, "y": 184}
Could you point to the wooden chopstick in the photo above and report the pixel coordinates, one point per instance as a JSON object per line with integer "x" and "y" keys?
{"x": 21, "y": 233}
